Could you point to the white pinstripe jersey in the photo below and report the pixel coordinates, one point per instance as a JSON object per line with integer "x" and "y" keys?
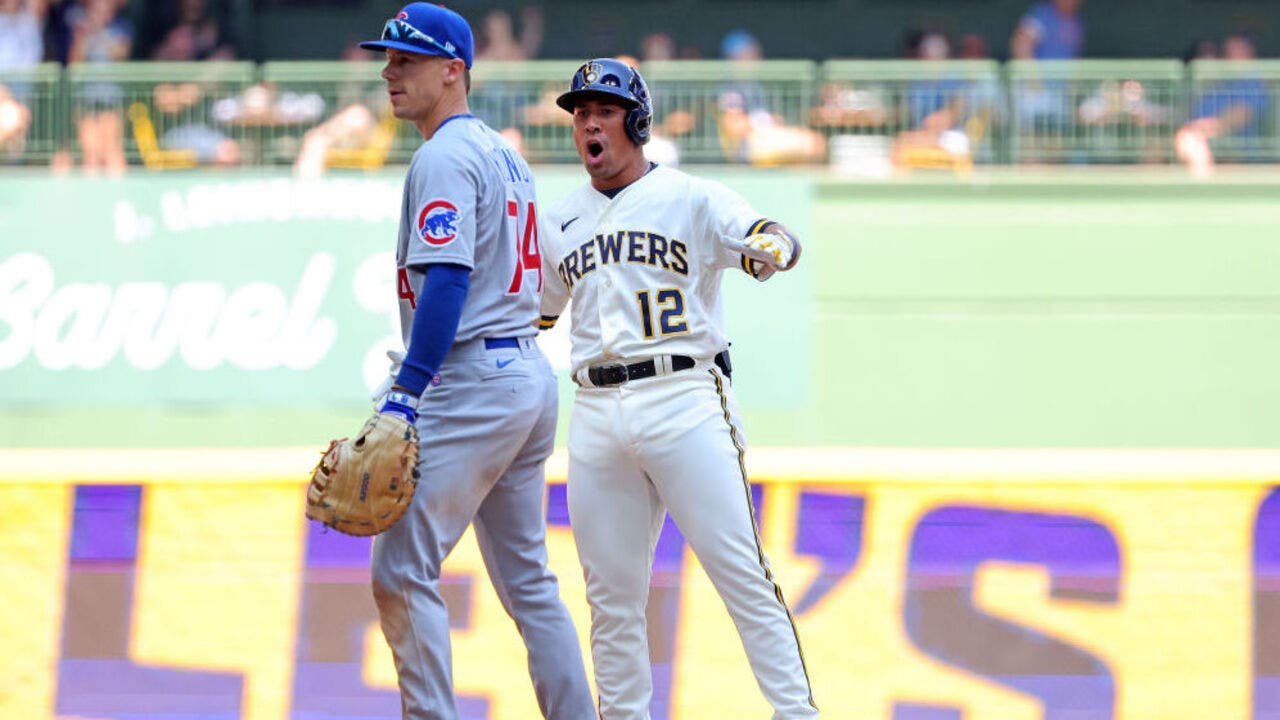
{"x": 643, "y": 269}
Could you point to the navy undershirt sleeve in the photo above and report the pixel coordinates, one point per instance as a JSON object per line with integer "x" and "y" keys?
{"x": 435, "y": 324}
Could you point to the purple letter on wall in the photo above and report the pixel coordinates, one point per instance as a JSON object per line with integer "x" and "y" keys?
{"x": 1266, "y": 609}
{"x": 1083, "y": 561}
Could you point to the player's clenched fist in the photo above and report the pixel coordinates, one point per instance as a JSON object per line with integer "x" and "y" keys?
{"x": 766, "y": 252}
{"x": 776, "y": 250}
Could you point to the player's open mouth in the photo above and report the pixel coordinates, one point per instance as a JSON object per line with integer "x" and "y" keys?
{"x": 594, "y": 148}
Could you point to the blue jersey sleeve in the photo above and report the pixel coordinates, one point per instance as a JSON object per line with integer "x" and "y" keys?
{"x": 435, "y": 323}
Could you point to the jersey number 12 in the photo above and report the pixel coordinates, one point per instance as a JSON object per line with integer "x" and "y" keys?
{"x": 669, "y": 303}
{"x": 528, "y": 257}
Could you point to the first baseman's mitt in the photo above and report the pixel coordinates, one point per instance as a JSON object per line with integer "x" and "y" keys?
{"x": 363, "y": 486}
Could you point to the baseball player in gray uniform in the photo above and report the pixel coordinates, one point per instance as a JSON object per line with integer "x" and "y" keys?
{"x": 640, "y": 250}
{"x": 482, "y": 396}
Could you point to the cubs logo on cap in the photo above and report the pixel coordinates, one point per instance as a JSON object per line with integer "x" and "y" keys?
{"x": 438, "y": 222}
{"x": 426, "y": 29}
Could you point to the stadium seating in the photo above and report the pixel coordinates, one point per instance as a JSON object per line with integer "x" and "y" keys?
{"x": 1019, "y": 112}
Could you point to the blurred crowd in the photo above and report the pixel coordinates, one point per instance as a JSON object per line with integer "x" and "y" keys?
{"x": 931, "y": 117}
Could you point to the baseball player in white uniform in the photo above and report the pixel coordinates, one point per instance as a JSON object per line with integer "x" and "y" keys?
{"x": 640, "y": 251}
{"x": 483, "y": 398}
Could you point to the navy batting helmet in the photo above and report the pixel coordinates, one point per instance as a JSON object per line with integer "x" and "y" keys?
{"x": 617, "y": 80}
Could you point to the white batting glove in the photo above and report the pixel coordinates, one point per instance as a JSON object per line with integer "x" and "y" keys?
{"x": 770, "y": 249}
{"x": 380, "y": 393}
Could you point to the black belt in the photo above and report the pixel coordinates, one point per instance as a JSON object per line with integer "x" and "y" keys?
{"x": 617, "y": 373}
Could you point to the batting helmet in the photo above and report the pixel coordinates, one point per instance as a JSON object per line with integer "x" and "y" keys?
{"x": 617, "y": 80}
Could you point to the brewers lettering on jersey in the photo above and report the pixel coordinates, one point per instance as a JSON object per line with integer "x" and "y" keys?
{"x": 473, "y": 382}
{"x": 634, "y": 246}
{"x": 640, "y": 251}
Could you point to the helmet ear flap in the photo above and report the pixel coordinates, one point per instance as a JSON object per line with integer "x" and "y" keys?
{"x": 640, "y": 118}
{"x": 638, "y": 124}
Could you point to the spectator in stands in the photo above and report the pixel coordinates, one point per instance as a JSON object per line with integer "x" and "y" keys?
{"x": 100, "y": 34}
{"x": 987, "y": 94}
{"x": 660, "y": 148}
{"x": 927, "y": 97}
{"x": 498, "y": 40}
{"x": 189, "y": 101}
{"x": 361, "y": 106}
{"x": 657, "y": 47}
{"x": 21, "y": 43}
{"x": 1050, "y": 30}
{"x": 497, "y": 102}
{"x": 15, "y": 116}
{"x": 749, "y": 129}
{"x": 1119, "y": 103}
{"x": 1202, "y": 49}
{"x": 21, "y": 46}
{"x": 936, "y": 110}
{"x": 1229, "y": 107}
{"x": 196, "y": 35}
{"x": 973, "y": 47}
{"x": 670, "y": 122}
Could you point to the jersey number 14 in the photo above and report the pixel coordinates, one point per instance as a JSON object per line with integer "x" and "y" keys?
{"x": 528, "y": 257}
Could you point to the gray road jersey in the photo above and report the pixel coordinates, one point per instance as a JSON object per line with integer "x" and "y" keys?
{"x": 469, "y": 200}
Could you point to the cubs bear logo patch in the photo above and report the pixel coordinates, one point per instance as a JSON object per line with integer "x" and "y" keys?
{"x": 438, "y": 222}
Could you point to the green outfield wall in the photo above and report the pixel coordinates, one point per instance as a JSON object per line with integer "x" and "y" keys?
{"x": 1075, "y": 309}
{"x": 1086, "y": 309}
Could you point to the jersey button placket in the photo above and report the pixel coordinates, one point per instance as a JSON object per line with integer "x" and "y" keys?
{"x": 604, "y": 309}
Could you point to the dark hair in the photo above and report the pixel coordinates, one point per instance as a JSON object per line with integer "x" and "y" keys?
{"x": 1197, "y": 49}
{"x": 911, "y": 39}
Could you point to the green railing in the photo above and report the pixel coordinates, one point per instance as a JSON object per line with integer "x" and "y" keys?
{"x": 1087, "y": 111}
{"x": 884, "y": 98}
{"x": 1095, "y": 110}
{"x": 692, "y": 99}
{"x": 520, "y": 97}
{"x": 196, "y": 104}
{"x": 1254, "y": 85}
{"x": 301, "y": 95}
{"x": 39, "y": 90}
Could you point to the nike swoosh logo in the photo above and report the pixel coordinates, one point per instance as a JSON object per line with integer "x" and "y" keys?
{"x": 567, "y": 223}
{"x": 504, "y": 363}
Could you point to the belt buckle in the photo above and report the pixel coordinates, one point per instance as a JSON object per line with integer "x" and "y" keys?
{"x": 614, "y": 367}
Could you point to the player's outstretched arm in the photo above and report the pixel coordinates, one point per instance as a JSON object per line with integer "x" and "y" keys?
{"x": 770, "y": 247}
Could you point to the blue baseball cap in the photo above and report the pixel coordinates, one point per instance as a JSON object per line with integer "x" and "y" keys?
{"x": 426, "y": 29}
{"x": 737, "y": 41}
